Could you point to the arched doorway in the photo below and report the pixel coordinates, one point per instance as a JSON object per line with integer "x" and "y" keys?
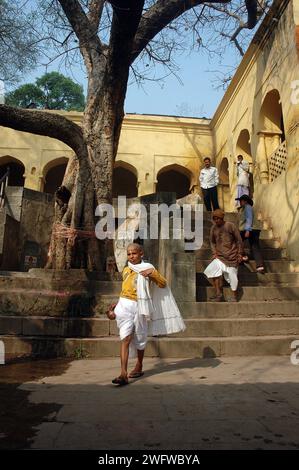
{"x": 174, "y": 178}
{"x": 243, "y": 148}
{"x": 224, "y": 193}
{"x": 16, "y": 170}
{"x": 53, "y": 174}
{"x": 125, "y": 182}
{"x": 271, "y": 151}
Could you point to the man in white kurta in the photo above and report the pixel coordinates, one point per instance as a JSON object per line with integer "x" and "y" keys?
{"x": 243, "y": 174}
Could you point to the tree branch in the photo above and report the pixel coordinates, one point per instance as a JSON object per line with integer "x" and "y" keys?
{"x": 95, "y": 12}
{"x": 125, "y": 21}
{"x": 85, "y": 30}
{"x": 161, "y": 14}
{"x": 43, "y": 123}
{"x": 252, "y": 10}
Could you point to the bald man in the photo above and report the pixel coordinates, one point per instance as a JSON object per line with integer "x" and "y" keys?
{"x": 132, "y": 327}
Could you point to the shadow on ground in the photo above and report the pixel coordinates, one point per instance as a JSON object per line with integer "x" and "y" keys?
{"x": 184, "y": 404}
{"x": 18, "y": 416}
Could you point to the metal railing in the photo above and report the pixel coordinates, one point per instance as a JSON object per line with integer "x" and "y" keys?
{"x": 3, "y": 186}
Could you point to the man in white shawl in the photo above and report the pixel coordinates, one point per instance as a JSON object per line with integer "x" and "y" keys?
{"x": 146, "y": 305}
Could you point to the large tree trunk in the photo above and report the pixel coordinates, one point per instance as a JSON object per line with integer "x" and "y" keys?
{"x": 89, "y": 180}
{"x": 73, "y": 243}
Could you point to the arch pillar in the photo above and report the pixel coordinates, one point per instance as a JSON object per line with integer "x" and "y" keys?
{"x": 262, "y": 159}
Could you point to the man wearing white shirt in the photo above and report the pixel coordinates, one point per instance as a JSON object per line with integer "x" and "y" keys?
{"x": 209, "y": 180}
{"x": 243, "y": 183}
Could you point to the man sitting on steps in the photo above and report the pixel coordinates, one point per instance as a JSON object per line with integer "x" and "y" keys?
{"x": 227, "y": 248}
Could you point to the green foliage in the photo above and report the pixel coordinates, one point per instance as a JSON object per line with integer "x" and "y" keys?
{"x": 51, "y": 91}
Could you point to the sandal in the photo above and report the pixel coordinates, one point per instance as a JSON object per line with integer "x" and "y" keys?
{"x": 135, "y": 375}
{"x": 120, "y": 381}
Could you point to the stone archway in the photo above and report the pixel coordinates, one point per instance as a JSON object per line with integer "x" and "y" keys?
{"x": 243, "y": 147}
{"x": 53, "y": 174}
{"x": 125, "y": 180}
{"x": 271, "y": 150}
{"x": 174, "y": 178}
{"x": 16, "y": 170}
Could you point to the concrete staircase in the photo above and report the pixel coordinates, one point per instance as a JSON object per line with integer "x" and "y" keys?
{"x": 48, "y": 316}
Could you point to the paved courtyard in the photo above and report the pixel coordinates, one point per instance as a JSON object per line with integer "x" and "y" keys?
{"x": 227, "y": 403}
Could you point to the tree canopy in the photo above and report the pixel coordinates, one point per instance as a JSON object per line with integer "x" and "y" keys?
{"x": 19, "y": 46}
{"x": 51, "y": 91}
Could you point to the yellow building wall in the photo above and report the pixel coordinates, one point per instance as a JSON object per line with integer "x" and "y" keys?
{"x": 147, "y": 145}
{"x": 271, "y": 63}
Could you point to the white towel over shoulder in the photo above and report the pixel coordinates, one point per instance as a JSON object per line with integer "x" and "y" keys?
{"x": 157, "y": 304}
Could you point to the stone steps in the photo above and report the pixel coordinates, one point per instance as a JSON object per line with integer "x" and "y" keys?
{"x": 189, "y": 309}
{"x": 268, "y": 253}
{"x": 102, "y": 327}
{"x": 242, "y": 309}
{"x": 264, "y": 243}
{"x": 266, "y": 234}
{"x": 31, "y": 284}
{"x": 261, "y": 299}
{"x": 253, "y": 293}
{"x": 256, "y": 279}
{"x": 58, "y": 304}
{"x": 271, "y": 266}
{"x": 17, "y": 347}
{"x": 63, "y": 317}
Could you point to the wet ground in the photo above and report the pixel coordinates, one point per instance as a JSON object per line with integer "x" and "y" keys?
{"x": 227, "y": 403}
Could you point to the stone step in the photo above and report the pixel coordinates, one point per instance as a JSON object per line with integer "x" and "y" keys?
{"x": 272, "y": 266}
{"x": 101, "y": 327}
{"x": 32, "y": 284}
{"x": 54, "y": 303}
{"x": 264, "y": 235}
{"x": 256, "y": 279}
{"x": 242, "y": 309}
{"x": 41, "y": 346}
{"x": 252, "y": 293}
{"x": 268, "y": 253}
{"x": 265, "y": 243}
{"x": 232, "y": 217}
{"x": 67, "y": 276}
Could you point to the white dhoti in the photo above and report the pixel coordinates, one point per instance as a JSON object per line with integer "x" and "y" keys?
{"x": 130, "y": 323}
{"x": 217, "y": 268}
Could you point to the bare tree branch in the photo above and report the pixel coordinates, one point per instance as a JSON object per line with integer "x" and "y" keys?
{"x": 161, "y": 14}
{"x": 86, "y": 32}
